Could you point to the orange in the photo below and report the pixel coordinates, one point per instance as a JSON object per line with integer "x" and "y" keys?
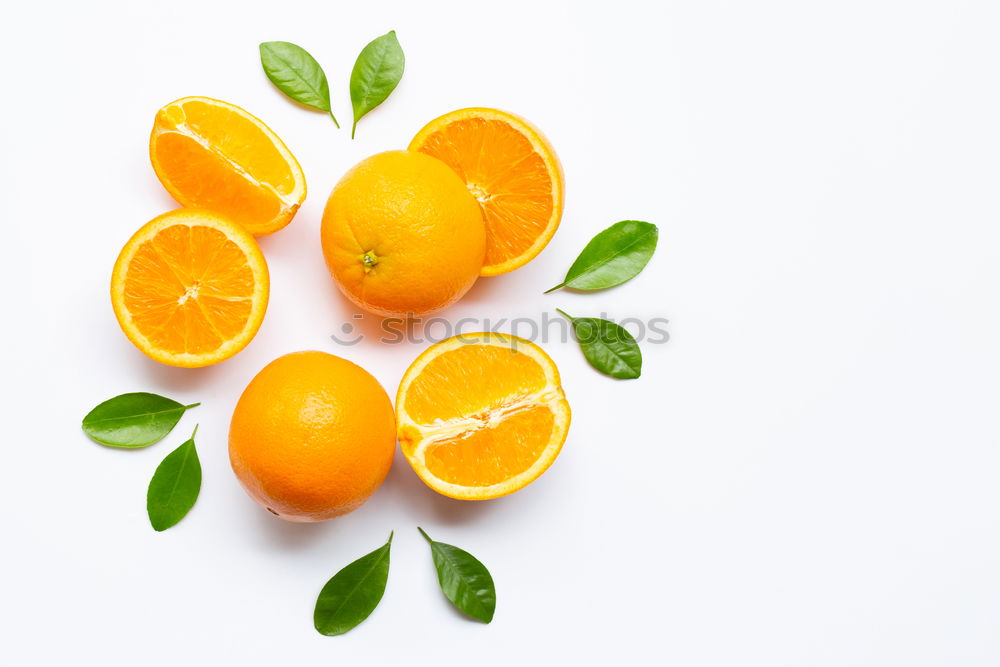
{"x": 215, "y": 155}
{"x": 481, "y": 415}
{"x": 402, "y": 235}
{"x": 312, "y": 436}
{"x": 512, "y": 170}
{"x": 190, "y": 288}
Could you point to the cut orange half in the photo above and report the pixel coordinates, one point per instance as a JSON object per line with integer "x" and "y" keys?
{"x": 215, "y": 155}
{"x": 190, "y": 288}
{"x": 511, "y": 169}
{"x": 481, "y": 415}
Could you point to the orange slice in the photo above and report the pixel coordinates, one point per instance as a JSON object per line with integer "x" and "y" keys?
{"x": 215, "y": 155}
{"x": 511, "y": 169}
{"x": 481, "y": 415}
{"x": 190, "y": 288}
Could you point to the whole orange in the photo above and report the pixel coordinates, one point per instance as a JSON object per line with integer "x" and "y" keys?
{"x": 312, "y": 436}
{"x": 402, "y": 234}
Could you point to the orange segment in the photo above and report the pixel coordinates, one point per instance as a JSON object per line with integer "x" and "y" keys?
{"x": 511, "y": 169}
{"x": 214, "y": 155}
{"x": 491, "y": 456}
{"x": 190, "y": 288}
{"x": 439, "y": 393}
{"x": 481, "y": 415}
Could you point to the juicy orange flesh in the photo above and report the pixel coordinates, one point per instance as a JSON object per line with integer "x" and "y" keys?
{"x": 215, "y": 158}
{"x": 492, "y": 455}
{"x": 207, "y": 180}
{"x": 494, "y": 386}
{"x": 472, "y": 380}
{"x": 242, "y": 141}
{"x": 501, "y": 168}
{"x": 189, "y": 289}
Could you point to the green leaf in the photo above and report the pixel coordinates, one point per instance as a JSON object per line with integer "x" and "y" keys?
{"x": 614, "y": 256}
{"x": 297, "y": 74}
{"x": 608, "y": 346}
{"x": 352, "y": 594}
{"x": 464, "y": 580}
{"x": 133, "y": 420}
{"x": 175, "y": 486}
{"x": 376, "y": 73}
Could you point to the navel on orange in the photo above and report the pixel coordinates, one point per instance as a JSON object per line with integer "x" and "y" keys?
{"x": 190, "y": 288}
{"x": 511, "y": 169}
{"x": 482, "y": 415}
{"x": 214, "y": 155}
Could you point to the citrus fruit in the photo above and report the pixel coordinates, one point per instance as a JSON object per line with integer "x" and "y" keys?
{"x": 312, "y": 436}
{"x": 513, "y": 172}
{"x": 215, "y": 155}
{"x": 402, "y": 235}
{"x": 481, "y": 415}
{"x": 190, "y": 288}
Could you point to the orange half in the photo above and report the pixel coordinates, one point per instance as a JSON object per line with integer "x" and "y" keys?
{"x": 190, "y": 288}
{"x": 214, "y": 155}
{"x": 513, "y": 172}
{"x": 482, "y": 415}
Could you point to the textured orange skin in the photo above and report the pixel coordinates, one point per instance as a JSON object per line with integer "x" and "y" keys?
{"x": 312, "y": 436}
{"x": 420, "y": 221}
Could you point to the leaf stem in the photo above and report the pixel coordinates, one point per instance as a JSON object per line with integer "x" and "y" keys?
{"x": 194, "y": 432}
{"x": 193, "y": 405}
{"x": 565, "y": 314}
{"x": 553, "y": 289}
{"x": 334, "y": 120}
{"x": 353, "y": 128}
{"x": 390, "y": 536}
{"x": 426, "y": 536}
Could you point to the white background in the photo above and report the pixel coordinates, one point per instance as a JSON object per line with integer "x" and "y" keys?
{"x": 806, "y": 474}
